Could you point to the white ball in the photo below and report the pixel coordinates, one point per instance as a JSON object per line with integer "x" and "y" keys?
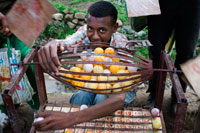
{"x": 82, "y": 107}
{"x": 106, "y": 71}
{"x": 132, "y": 69}
{"x": 84, "y": 57}
{"x": 92, "y": 57}
{"x": 108, "y": 59}
{"x": 38, "y": 119}
{"x": 155, "y": 112}
{"x": 86, "y": 85}
{"x": 88, "y": 68}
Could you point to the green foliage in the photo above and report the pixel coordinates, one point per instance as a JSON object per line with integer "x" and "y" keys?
{"x": 59, "y": 32}
{"x": 173, "y": 55}
{"x": 198, "y": 48}
{"x": 122, "y": 14}
{"x": 78, "y": 1}
{"x": 60, "y": 7}
{"x": 143, "y": 52}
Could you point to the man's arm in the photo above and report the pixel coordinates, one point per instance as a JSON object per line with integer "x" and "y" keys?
{"x": 60, "y": 120}
{"x": 4, "y": 25}
{"x": 48, "y": 54}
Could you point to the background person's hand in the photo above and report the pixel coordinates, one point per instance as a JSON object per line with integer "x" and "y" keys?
{"x": 55, "y": 120}
{"x": 4, "y": 25}
{"x": 48, "y": 56}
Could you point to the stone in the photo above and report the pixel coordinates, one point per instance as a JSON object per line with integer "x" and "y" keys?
{"x": 66, "y": 11}
{"x": 58, "y": 16}
{"x": 78, "y": 26}
{"x": 119, "y": 22}
{"x": 75, "y": 21}
{"x": 71, "y": 25}
{"x": 56, "y": 23}
{"x": 81, "y": 23}
{"x": 80, "y": 15}
{"x": 71, "y": 12}
{"x": 69, "y": 17}
{"x": 128, "y": 29}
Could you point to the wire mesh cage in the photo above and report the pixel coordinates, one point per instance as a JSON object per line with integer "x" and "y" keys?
{"x": 126, "y": 120}
{"x": 100, "y": 68}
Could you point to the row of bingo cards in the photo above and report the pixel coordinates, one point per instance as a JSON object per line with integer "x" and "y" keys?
{"x": 132, "y": 113}
{"x": 117, "y": 113}
{"x": 79, "y": 130}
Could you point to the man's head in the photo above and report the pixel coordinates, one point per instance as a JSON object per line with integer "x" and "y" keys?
{"x": 101, "y": 21}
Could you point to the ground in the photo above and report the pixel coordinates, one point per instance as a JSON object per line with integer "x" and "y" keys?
{"x": 57, "y": 92}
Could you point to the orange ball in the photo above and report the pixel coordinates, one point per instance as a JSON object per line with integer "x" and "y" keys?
{"x": 114, "y": 68}
{"x": 99, "y": 58}
{"x": 85, "y": 77}
{"x": 68, "y": 75}
{"x": 99, "y": 50}
{"x": 76, "y": 69}
{"x": 109, "y": 51}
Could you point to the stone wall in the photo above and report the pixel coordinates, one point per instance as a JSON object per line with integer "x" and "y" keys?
{"x": 73, "y": 20}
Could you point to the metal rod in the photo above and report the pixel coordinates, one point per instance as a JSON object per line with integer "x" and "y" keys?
{"x": 157, "y": 70}
{"x": 22, "y": 63}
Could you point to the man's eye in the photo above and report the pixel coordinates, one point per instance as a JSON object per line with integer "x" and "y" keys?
{"x": 89, "y": 29}
{"x": 102, "y": 30}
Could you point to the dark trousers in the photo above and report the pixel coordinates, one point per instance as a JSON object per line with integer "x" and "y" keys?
{"x": 186, "y": 25}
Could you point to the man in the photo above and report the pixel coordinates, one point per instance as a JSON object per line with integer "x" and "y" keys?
{"x": 101, "y": 27}
{"x": 184, "y": 18}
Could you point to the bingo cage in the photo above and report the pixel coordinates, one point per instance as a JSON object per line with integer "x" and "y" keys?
{"x": 125, "y": 70}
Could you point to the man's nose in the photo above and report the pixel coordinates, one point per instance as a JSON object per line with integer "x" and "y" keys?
{"x": 96, "y": 37}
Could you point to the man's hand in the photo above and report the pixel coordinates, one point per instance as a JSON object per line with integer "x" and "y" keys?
{"x": 55, "y": 120}
{"x": 4, "y": 25}
{"x": 48, "y": 56}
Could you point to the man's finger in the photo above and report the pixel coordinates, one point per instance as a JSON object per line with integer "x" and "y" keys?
{"x": 49, "y": 64}
{"x": 54, "y": 58}
{"x": 40, "y": 59}
{"x": 45, "y": 56}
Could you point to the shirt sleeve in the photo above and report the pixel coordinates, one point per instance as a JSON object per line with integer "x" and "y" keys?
{"x": 77, "y": 37}
{"x": 119, "y": 40}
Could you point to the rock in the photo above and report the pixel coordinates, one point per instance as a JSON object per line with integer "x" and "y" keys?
{"x": 75, "y": 21}
{"x": 69, "y": 17}
{"x": 81, "y": 23}
{"x": 141, "y": 33}
{"x": 128, "y": 29}
{"x": 66, "y": 11}
{"x": 56, "y": 23}
{"x": 78, "y": 26}
{"x": 119, "y": 22}
{"x": 80, "y": 15}
{"x": 58, "y": 16}
{"x": 71, "y": 25}
{"x": 71, "y": 12}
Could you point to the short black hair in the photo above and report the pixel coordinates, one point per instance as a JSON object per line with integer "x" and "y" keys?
{"x": 103, "y": 9}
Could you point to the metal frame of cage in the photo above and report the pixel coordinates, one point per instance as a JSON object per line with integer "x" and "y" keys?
{"x": 165, "y": 63}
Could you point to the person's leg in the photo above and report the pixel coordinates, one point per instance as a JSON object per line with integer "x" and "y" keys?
{"x": 130, "y": 96}
{"x": 99, "y": 98}
{"x": 159, "y": 29}
{"x": 187, "y": 31}
{"x": 82, "y": 97}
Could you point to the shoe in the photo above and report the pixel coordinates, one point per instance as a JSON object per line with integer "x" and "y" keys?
{"x": 150, "y": 101}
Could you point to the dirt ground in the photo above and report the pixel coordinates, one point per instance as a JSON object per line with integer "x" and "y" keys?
{"x": 26, "y": 114}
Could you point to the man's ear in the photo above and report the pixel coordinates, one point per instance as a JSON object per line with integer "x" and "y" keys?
{"x": 115, "y": 27}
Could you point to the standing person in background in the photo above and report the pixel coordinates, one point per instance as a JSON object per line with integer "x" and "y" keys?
{"x": 5, "y": 6}
{"x": 184, "y": 18}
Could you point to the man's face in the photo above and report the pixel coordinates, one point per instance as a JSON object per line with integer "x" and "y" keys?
{"x": 100, "y": 29}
